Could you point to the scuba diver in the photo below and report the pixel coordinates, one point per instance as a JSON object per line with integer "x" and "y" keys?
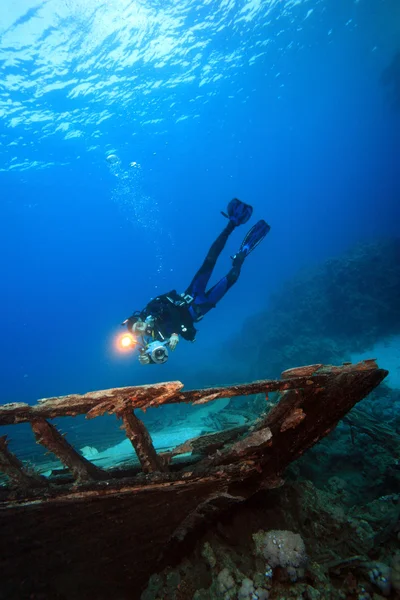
{"x": 158, "y": 326}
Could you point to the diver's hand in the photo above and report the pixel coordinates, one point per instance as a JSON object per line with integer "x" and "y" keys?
{"x": 139, "y": 327}
{"x": 173, "y": 341}
{"x": 144, "y": 359}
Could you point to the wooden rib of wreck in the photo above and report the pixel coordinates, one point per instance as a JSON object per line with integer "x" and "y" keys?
{"x": 129, "y": 524}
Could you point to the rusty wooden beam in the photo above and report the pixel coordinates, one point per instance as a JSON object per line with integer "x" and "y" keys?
{"x": 48, "y": 436}
{"x": 263, "y": 386}
{"x": 116, "y": 400}
{"x": 208, "y": 443}
{"x": 13, "y": 468}
{"x": 142, "y": 443}
{"x": 78, "y": 404}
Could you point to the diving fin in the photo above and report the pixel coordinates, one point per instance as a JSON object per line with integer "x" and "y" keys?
{"x": 238, "y": 212}
{"x": 251, "y": 240}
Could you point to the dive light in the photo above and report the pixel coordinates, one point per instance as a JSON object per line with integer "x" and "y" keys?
{"x": 127, "y": 342}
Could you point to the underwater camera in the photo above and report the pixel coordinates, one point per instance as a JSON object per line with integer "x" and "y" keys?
{"x": 158, "y": 352}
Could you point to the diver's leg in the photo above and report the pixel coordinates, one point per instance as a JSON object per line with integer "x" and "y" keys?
{"x": 218, "y": 291}
{"x": 199, "y": 282}
{"x": 209, "y": 299}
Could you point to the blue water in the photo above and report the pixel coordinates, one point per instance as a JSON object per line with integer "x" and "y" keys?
{"x": 276, "y": 102}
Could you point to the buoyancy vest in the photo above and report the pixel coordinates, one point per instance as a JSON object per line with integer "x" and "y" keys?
{"x": 171, "y": 314}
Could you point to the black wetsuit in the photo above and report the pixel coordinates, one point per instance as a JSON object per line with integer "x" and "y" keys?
{"x": 175, "y": 313}
{"x": 171, "y": 315}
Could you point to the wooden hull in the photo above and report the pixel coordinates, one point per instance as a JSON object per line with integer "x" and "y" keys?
{"x": 103, "y": 539}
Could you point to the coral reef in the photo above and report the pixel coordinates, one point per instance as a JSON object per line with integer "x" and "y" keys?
{"x": 238, "y": 558}
{"x": 283, "y": 549}
{"x": 359, "y": 460}
{"x": 396, "y": 572}
{"x": 342, "y": 306}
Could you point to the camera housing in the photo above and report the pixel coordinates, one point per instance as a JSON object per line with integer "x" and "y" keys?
{"x": 158, "y": 352}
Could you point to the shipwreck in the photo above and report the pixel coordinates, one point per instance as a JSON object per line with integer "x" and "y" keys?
{"x": 90, "y": 532}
